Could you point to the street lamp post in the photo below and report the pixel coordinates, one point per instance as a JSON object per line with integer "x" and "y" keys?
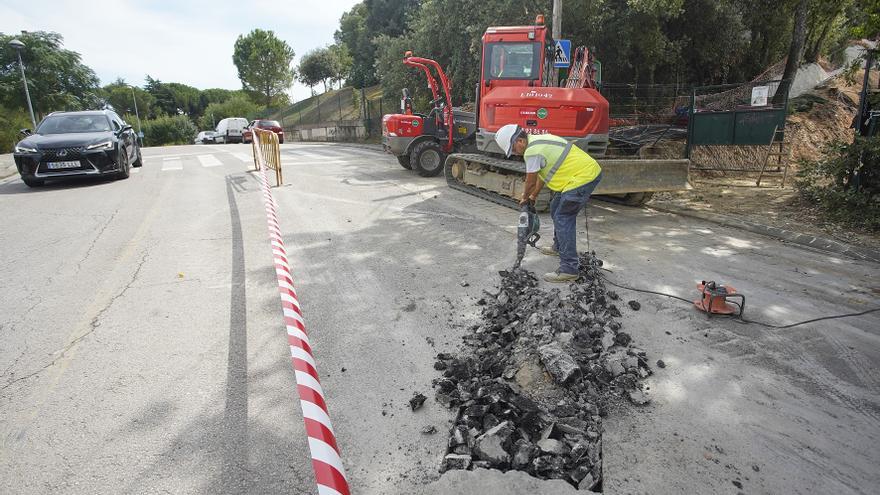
{"x": 18, "y": 45}
{"x": 136, "y": 114}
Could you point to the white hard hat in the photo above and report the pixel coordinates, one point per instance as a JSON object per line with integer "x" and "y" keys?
{"x": 505, "y": 137}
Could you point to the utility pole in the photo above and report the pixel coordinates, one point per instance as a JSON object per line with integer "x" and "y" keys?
{"x": 556, "y": 32}
{"x": 557, "y": 19}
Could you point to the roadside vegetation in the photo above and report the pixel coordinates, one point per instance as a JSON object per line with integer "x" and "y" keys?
{"x": 845, "y": 183}
{"x": 170, "y": 112}
{"x": 689, "y": 42}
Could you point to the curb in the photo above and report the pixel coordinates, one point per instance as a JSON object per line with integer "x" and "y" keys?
{"x": 365, "y": 146}
{"x": 807, "y": 240}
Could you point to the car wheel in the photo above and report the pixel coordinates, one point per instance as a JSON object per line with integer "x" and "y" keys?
{"x": 139, "y": 162}
{"x": 403, "y": 160}
{"x": 124, "y": 165}
{"x": 427, "y": 158}
{"x": 32, "y": 182}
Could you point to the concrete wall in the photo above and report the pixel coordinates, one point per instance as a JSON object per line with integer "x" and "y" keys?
{"x": 345, "y": 130}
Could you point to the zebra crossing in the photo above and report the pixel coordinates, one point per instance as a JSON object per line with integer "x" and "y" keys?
{"x": 207, "y": 160}
{"x": 304, "y": 156}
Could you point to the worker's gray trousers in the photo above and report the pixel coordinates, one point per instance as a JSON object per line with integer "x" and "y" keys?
{"x": 564, "y": 209}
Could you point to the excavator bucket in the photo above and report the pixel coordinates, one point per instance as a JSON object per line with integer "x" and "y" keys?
{"x": 630, "y": 181}
{"x": 629, "y": 176}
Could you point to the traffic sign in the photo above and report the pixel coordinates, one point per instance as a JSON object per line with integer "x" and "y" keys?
{"x": 562, "y": 54}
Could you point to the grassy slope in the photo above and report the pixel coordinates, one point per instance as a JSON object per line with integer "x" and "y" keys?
{"x": 339, "y": 104}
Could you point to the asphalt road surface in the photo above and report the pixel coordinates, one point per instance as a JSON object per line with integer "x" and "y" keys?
{"x": 142, "y": 349}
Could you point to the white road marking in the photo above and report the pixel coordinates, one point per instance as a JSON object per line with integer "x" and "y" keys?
{"x": 209, "y": 161}
{"x": 172, "y": 164}
{"x": 306, "y": 154}
{"x": 244, "y": 157}
{"x": 136, "y": 170}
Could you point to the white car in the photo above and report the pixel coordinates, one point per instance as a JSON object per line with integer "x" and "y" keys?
{"x": 205, "y": 137}
{"x": 229, "y": 130}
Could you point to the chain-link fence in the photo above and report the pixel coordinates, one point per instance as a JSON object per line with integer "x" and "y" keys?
{"x": 342, "y": 115}
{"x": 647, "y": 120}
{"x": 647, "y": 104}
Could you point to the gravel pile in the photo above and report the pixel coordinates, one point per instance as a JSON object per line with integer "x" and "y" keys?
{"x": 536, "y": 376}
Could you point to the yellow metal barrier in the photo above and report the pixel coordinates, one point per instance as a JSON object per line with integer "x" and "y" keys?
{"x": 265, "y": 144}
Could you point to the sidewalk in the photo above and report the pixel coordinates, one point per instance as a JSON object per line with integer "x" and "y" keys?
{"x": 7, "y": 166}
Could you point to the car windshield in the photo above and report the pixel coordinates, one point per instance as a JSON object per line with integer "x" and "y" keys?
{"x": 512, "y": 60}
{"x": 268, "y": 123}
{"x": 64, "y": 124}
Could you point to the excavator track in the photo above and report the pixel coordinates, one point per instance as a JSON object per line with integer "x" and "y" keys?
{"x": 515, "y": 167}
{"x": 625, "y": 181}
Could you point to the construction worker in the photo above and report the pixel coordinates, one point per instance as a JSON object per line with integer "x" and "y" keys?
{"x": 570, "y": 173}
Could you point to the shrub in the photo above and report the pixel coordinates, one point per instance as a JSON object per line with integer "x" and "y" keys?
{"x": 237, "y": 106}
{"x": 163, "y": 130}
{"x": 846, "y": 183}
{"x": 12, "y": 121}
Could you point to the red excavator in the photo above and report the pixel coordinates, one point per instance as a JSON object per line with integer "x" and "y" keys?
{"x": 423, "y": 141}
{"x": 518, "y": 85}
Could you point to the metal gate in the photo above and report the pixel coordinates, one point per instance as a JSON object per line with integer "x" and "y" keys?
{"x": 732, "y": 127}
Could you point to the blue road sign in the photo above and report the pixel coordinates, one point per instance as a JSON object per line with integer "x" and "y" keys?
{"x": 562, "y": 54}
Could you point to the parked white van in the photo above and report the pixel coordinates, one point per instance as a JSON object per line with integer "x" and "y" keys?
{"x": 229, "y": 130}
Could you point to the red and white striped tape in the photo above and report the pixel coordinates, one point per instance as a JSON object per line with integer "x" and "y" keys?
{"x": 326, "y": 460}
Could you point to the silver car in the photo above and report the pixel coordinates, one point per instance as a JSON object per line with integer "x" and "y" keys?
{"x": 206, "y": 137}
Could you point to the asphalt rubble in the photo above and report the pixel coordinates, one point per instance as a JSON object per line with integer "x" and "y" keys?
{"x": 536, "y": 376}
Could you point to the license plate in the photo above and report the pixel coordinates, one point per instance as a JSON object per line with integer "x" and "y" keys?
{"x": 59, "y": 165}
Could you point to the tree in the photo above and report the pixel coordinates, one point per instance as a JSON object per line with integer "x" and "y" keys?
{"x": 865, "y": 19}
{"x": 353, "y": 34}
{"x": 317, "y": 66}
{"x": 264, "y": 64}
{"x": 164, "y": 102}
{"x": 122, "y": 97}
{"x": 57, "y": 78}
{"x": 360, "y": 26}
{"x": 823, "y": 18}
{"x": 341, "y": 62}
{"x": 236, "y": 106}
{"x": 795, "y": 51}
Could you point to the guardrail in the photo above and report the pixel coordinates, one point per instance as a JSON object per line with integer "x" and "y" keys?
{"x": 270, "y": 149}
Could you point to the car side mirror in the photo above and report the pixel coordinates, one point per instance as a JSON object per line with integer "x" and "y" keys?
{"x": 25, "y": 132}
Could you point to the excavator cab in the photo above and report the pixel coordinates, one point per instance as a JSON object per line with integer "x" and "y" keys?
{"x": 406, "y": 103}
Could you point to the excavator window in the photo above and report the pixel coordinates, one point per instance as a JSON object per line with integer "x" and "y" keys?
{"x": 512, "y": 61}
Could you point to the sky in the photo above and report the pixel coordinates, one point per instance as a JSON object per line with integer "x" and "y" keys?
{"x": 183, "y": 41}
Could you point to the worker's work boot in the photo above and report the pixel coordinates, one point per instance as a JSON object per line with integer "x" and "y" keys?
{"x": 559, "y": 277}
{"x": 548, "y": 250}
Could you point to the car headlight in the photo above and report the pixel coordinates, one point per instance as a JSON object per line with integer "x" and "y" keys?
{"x": 24, "y": 149}
{"x": 104, "y": 145}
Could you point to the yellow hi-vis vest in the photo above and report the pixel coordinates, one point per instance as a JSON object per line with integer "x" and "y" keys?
{"x": 566, "y": 166}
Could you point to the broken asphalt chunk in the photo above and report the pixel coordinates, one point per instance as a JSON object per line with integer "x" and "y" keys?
{"x": 417, "y": 401}
{"x": 561, "y": 366}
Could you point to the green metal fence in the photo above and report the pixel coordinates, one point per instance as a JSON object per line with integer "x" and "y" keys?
{"x": 732, "y": 126}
